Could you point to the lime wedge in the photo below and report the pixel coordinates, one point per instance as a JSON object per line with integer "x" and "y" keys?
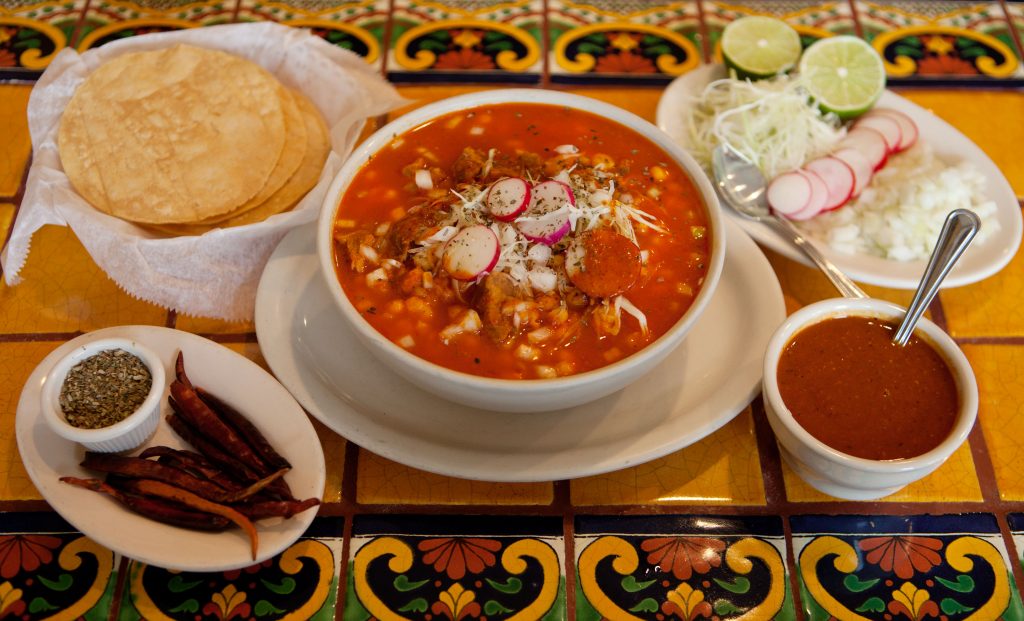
{"x": 844, "y": 74}
{"x": 760, "y": 47}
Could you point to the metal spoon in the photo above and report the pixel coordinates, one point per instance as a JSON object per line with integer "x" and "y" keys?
{"x": 957, "y": 232}
{"x": 743, "y": 187}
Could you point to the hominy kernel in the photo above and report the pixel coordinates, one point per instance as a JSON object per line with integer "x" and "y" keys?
{"x": 658, "y": 173}
{"x": 396, "y": 307}
{"x": 546, "y": 372}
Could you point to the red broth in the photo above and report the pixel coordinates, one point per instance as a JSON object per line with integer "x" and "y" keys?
{"x": 849, "y": 386}
{"x": 387, "y": 219}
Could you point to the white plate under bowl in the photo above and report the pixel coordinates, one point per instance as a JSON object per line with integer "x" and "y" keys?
{"x": 702, "y": 385}
{"x": 229, "y": 375}
{"x": 981, "y": 260}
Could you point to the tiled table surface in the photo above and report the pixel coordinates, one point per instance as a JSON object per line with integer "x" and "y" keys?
{"x": 718, "y": 530}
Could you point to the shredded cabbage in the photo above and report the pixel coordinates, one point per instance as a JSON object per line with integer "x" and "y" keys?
{"x": 773, "y": 122}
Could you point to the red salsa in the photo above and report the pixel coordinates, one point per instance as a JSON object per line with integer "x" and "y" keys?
{"x": 849, "y": 386}
{"x": 521, "y": 241}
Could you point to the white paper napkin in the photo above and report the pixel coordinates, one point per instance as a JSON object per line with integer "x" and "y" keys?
{"x": 215, "y": 274}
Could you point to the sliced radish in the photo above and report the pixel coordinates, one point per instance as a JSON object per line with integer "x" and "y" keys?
{"x": 838, "y": 177}
{"x": 908, "y": 128}
{"x": 547, "y": 218}
{"x": 472, "y": 252}
{"x": 507, "y": 198}
{"x": 819, "y": 197}
{"x": 869, "y": 142}
{"x": 789, "y": 193}
{"x": 887, "y": 126}
{"x": 861, "y": 166}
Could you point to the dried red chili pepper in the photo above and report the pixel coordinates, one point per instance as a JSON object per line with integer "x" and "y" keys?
{"x": 275, "y": 508}
{"x": 213, "y": 452}
{"x": 206, "y": 422}
{"x": 245, "y": 429}
{"x": 146, "y": 469}
{"x": 154, "y": 508}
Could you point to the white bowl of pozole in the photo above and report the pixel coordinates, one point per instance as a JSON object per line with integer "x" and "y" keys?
{"x": 521, "y": 250}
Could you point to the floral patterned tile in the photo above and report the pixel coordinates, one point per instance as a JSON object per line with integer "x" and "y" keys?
{"x": 456, "y": 567}
{"x": 610, "y": 41}
{"x": 358, "y": 26}
{"x": 948, "y": 567}
{"x": 48, "y": 570}
{"x": 299, "y": 583}
{"x": 813, "y": 19}
{"x": 110, "y": 20}
{"x": 31, "y": 34}
{"x": 468, "y": 41}
{"x": 689, "y": 567}
{"x": 928, "y": 41}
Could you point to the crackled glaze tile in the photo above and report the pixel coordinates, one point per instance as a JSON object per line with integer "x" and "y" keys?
{"x": 916, "y": 566}
{"x": 17, "y": 147}
{"x": 382, "y": 481}
{"x": 687, "y": 567}
{"x": 972, "y": 113}
{"x": 49, "y": 570}
{"x": 63, "y": 290}
{"x": 299, "y": 583}
{"x": 355, "y": 26}
{"x": 17, "y": 361}
{"x": 6, "y": 219}
{"x": 626, "y": 42}
{"x": 208, "y": 326}
{"x": 31, "y": 34}
{"x": 111, "y": 20}
{"x": 954, "y": 481}
{"x": 723, "y": 468}
{"x": 471, "y": 41}
{"x": 924, "y": 40}
{"x": 456, "y": 567}
{"x": 1001, "y": 412}
{"x": 988, "y": 308}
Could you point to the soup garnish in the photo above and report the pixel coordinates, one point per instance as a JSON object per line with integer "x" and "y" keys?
{"x": 850, "y": 387}
{"x": 521, "y": 241}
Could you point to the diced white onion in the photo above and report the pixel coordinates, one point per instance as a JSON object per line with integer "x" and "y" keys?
{"x": 476, "y": 130}
{"x": 566, "y": 149}
{"x": 539, "y": 335}
{"x": 376, "y": 276}
{"x": 539, "y": 253}
{"x": 369, "y": 253}
{"x": 525, "y": 352}
{"x": 423, "y": 179}
{"x": 543, "y": 279}
{"x": 407, "y": 342}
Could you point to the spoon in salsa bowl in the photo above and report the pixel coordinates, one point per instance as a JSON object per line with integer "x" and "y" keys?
{"x": 958, "y": 230}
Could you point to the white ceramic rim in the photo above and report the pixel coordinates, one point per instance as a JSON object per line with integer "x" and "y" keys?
{"x": 839, "y": 307}
{"x": 54, "y": 380}
{"x": 384, "y": 135}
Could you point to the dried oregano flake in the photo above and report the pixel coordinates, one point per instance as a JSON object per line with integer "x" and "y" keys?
{"x": 104, "y": 389}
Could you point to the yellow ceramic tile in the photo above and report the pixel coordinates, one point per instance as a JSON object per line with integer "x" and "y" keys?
{"x": 954, "y": 481}
{"x": 6, "y": 217}
{"x": 1001, "y": 412}
{"x": 17, "y": 147}
{"x": 724, "y": 468}
{"x": 803, "y": 285}
{"x": 382, "y": 481}
{"x": 990, "y": 118}
{"x": 990, "y": 307}
{"x": 333, "y": 444}
{"x": 205, "y": 325}
{"x": 17, "y": 361}
{"x": 63, "y": 290}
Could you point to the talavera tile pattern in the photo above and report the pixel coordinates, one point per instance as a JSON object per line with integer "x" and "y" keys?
{"x": 940, "y": 566}
{"x": 686, "y": 567}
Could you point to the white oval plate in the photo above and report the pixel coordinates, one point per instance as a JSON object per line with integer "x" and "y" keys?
{"x": 710, "y": 378}
{"x": 231, "y": 376}
{"x": 980, "y": 261}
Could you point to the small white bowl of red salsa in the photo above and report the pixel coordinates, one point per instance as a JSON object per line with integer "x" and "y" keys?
{"x": 857, "y": 416}
{"x": 520, "y": 250}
